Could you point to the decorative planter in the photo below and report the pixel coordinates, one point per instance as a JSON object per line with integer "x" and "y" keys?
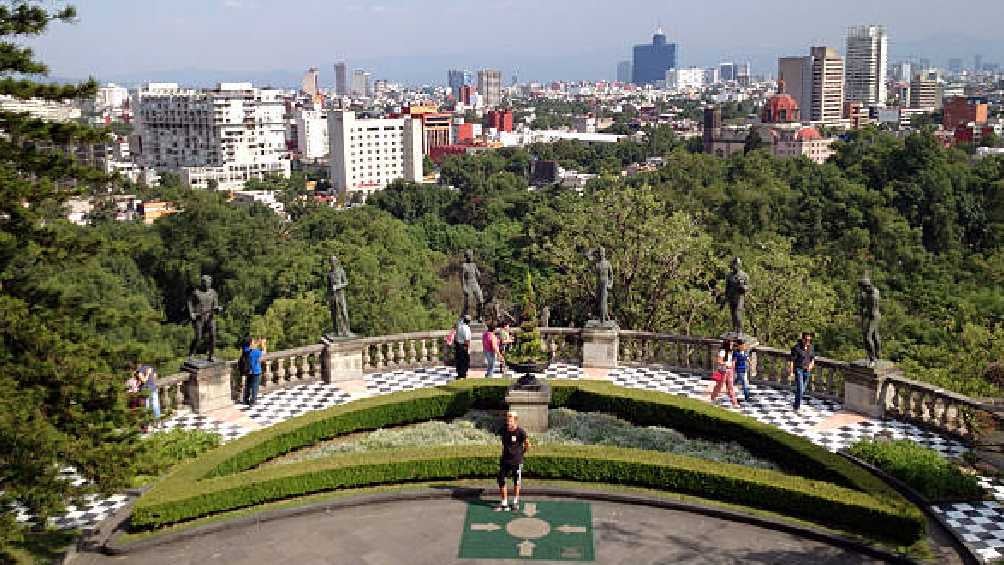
{"x": 527, "y": 372}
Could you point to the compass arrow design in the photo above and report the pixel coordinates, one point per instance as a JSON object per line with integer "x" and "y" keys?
{"x": 525, "y": 548}
{"x": 485, "y": 527}
{"x": 567, "y": 529}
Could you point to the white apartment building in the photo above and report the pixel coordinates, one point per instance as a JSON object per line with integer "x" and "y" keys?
{"x": 867, "y": 64}
{"x": 827, "y": 97}
{"x": 367, "y": 154}
{"x": 312, "y": 133}
{"x": 221, "y": 137}
{"x": 692, "y": 77}
{"x": 45, "y": 110}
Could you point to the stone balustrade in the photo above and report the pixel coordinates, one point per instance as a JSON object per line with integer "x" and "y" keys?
{"x": 877, "y": 394}
{"x": 934, "y": 408}
{"x": 404, "y": 351}
{"x": 291, "y": 367}
{"x": 171, "y": 392}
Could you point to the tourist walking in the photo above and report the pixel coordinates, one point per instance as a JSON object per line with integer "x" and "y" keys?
{"x": 741, "y": 359}
{"x": 724, "y": 372}
{"x": 462, "y": 346}
{"x": 134, "y": 387}
{"x": 800, "y": 366}
{"x": 148, "y": 375}
{"x": 492, "y": 349}
{"x": 515, "y": 444}
{"x": 252, "y": 351}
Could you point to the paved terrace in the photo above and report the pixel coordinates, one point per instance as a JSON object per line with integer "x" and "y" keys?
{"x": 822, "y": 421}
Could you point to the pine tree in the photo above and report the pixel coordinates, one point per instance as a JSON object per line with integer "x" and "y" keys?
{"x": 60, "y": 403}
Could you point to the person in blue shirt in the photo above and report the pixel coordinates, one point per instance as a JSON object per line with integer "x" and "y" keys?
{"x": 253, "y": 349}
{"x": 741, "y": 357}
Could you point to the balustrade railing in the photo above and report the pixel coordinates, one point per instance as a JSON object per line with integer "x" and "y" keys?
{"x": 934, "y": 408}
{"x": 405, "y": 351}
{"x": 171, "y": 392}
{"x": 291, "y": 367}
{"x": 565, "y": 344}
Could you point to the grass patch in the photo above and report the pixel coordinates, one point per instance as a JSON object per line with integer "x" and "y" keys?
{"x": 39, "y": 547}
{"x": 936, "y": 478}
{"x": 567, "y": 427}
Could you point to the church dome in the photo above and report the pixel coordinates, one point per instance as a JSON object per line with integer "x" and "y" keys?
{"x": 808, "y": 134}
{"x": 780, "y": 109}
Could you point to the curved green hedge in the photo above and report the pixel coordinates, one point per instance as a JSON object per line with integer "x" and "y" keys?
{"x": 830, "y": 490}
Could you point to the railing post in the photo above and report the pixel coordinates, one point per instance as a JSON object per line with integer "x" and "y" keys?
{"x": 599, "y": 348}
{"x": 208, "y": 385}
{"x": 864, "y": 387}
{"x": 342, "y": 359}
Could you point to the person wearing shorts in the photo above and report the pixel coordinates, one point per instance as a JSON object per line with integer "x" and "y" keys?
{"x": 515, "y": 444}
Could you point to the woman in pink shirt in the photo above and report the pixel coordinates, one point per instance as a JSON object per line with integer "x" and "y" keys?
{"x": 493, "y": 353}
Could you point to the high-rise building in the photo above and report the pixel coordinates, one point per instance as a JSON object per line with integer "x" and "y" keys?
{"x": 727, "y": 71}
{"x": 744, "y": 73}
{"x": 624, "y": 72}
{"x": 955, "y": 65}
{"x": 902, "y": 71}
{"x": 978, "y": 63}
{"x": 926, "y": 91}
{"x": 795, "y": 77}
{"x": 223, "y": 137}
{"x": 341, "y": 79}
{"x": 368, "y": 154}
{"x": 867, "y": 62}
{"x": 712, "y": 75}
{"x": 457, "y": 79}
{"x": 828, "y": 94}
{"x": 309, "y": 84}
{"x": 360, "y": 83}
{"x": 490, "y": 87}
{"x": 651, "y": 61}
{"x": 312, "y": 133}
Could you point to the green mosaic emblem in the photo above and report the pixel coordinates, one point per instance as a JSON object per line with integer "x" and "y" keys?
{"x": 547, "y": 530}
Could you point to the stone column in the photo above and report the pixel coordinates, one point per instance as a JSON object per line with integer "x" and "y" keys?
{"x": 342, "y": 360}
{"x": 863, "y": 387}
{"x": 530, "y": 407}
{"x": 209, "y": 385}
{"x": 599, "y": 348}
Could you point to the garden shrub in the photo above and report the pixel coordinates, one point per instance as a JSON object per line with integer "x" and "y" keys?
{"x": 925, "y": 470}
{"x": 162, "y": 450}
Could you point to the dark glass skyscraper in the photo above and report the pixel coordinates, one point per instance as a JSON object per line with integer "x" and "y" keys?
{"x": 652, "y": 61}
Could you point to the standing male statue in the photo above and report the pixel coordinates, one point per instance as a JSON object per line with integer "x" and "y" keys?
{"x": 868, "y": 307}
{"x": 203, "y": 304}
{"x": 337, "y": 281}
{"x": 737, "y": 284}
{"x": 473, "y": 298}
{"x": 604, "y": 282}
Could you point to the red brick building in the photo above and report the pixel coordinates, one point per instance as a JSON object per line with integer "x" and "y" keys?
{"x": 500, "y": 120}
{"x": 963, "y": 110}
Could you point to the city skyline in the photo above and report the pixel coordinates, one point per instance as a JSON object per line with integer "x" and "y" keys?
{"x": 231, "y": 37}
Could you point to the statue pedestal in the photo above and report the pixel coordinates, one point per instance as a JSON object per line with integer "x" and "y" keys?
{"x": 209, "y": 386}
{"x": 530, "y": 406}
{"x": 342, "y": 359}
{"x": 741, "y": 337}
{"x": 863, "y": 384}
{"x": 599, "y": 345}
{"x": 477, "y": 347}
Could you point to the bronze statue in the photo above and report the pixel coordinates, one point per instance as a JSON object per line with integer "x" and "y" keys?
{"x": 737, "y": 284}
{"x": 604, "y": 282}
{"x": 472, "y": 288}
{"x": 337, "y": 281}
{"x": 868, "y": 307}
{"x": 203, "y": 304}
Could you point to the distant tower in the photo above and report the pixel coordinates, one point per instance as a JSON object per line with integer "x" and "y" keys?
{"x": 624, "y": 72}
{"x": 341, "y": 78}
{"x": 652, "y": 61}
{"x": 712, "y": 128}
{"x": 309, "y": 84}
{"x": 866, "y": 65}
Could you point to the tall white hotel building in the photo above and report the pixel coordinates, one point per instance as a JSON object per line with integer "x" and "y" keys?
{"x": 368, "y": 153}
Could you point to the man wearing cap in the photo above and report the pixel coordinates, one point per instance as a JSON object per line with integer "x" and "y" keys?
{"x": 462, "y": 345}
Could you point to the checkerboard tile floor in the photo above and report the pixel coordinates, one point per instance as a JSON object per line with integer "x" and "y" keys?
{"x": 980, "y": 524}
{"x": 228, "y": 431}
{"x": 410, "y": 379}
{"x": 844, "y": 436}
{"x": 283, "y": 404}
{"x": 767, "y": 404}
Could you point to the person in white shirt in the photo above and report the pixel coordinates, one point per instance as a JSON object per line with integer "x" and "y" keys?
{"x": 462, "y": 345}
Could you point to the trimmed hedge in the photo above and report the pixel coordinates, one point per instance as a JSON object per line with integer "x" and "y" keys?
{"x": 937, "y": 479}
{"x": 833, "y": 491}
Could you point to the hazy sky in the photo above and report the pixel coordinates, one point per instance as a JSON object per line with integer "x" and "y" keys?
{"x": 417, "y": 40}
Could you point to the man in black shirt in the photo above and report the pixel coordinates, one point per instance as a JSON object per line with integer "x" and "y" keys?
{"x": 514, "y": 445}
{"x": 800, "y": 366}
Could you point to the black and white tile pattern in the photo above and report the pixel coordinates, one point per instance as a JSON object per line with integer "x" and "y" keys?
{"x": 411, "y": 379}
{"x": 844, "y": 436}
{"x": 767, "y": 404}
{"x": 980, "y": 524}
{"x": 227, "y": 431}
{"x": 280, "y": 405}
